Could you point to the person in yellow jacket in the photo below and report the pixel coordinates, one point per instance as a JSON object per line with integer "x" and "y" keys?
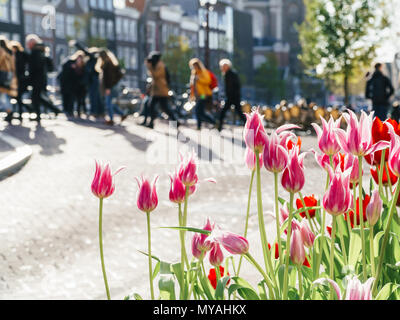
{"x": 200, "y": 83}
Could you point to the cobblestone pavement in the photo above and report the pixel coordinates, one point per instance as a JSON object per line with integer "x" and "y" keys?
{"x": 49, "y": 218}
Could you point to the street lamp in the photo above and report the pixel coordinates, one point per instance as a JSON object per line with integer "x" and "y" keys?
{"x": 208, "y": 4}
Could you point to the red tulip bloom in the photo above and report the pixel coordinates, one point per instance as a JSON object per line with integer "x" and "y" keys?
{"x": 212, "y": 276}
{"x": 310, "y": 202}
{"x": 366, "y": 201}
{"x": 290, "y": 144}
{"x": 375, "y": 175}
{"x": 329, "y": 229}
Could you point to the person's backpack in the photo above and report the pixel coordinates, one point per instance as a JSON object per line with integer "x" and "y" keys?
{"x": 214, "y": 80}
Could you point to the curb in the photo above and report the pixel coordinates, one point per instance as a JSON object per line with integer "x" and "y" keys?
{"x": 15, "y": 161}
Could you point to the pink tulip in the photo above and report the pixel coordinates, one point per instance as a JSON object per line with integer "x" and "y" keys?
{"x": 324, "y": 160}
{"x": 233, "y": 243}
{"x": 254, "y": 133}
{"x": 394, "y": 151}
{"x": 284, "y": 214}
{"x": 374, "y": 208}
{"x": 188, "y": 170}
{"x": 251, "y": 161}
{"x": 306, "y": 233}
{"x": 327, "y": 141}
{"x": 103, "y": 182}
{"x": 147, "y": 199}
{"x": 293, "y": 176}
{"x": 275, "y": 155}
{"x": 178, "y": 189}
{"x": 357, "y": 140}
{"x": 357, "y": 291}
{"x": 351, "y": 162}
{"x": 338, "y": 198}
{"x": 216, "y": 255}
{"x": 297, "y": 252}
{"x": 201, "y": 242}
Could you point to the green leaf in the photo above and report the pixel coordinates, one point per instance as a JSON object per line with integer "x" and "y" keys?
{"x": 166, "y": 283}
{"x": 261, "y": 290}
{"x": 244, "y": 289}
{"x": 355, "y": 247}
{"x": 135, "y": 296}
{"x": 387, "y": 291}
{"x": 146, "y": 254}
{"x": 206, "y": 286}
{"x": 188, "y": 229}
{"x": 156, "y": 270}
{"x": 221, "y": 285}
{"x": 281, "y": 200}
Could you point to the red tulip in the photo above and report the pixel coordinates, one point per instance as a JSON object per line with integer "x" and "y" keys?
{"x": 310, "y": 201}
{"x": 212, "y": 276}
{"x": 290, "y": 145}
{"x": 385, "y": 182}
{"x": 366, "y": 201}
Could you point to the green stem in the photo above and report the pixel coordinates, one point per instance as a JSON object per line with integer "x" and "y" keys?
{"x": 247, "y": 218}
{"x": 371, "y": 249}
{"x": 332, "y": 265}
{"x": 380, "y": 175}
{"x": 103, "y": 268}
{"x": 184, "y": 224}
{"x": 385, "y": 238}
{"x": 300, "y": 282}
{"x": 183, "y": 251}
{"x": 355, "y": 207}
{"x": 217, "y": 272}
{"x": 362, "y": 217}
{"x": 278, "y": 224}
{"x": 195, "y": 275}
{"x": 265, "y": 276}
{"x": 289, "y": 233}
{"x": 150, "y": 257}
{"x": 389, "y": 181}
{"x": 261, "y": 225}
{"x": 343, "y": 247}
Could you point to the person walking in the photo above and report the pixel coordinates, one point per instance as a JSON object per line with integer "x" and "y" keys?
{"x": 93, "y": 83}
{"x": 21, "y": 68}
{"x": 38, "y": 65}
{"x": 8, "y": 79}
{"x": 232, "y": 92}
{"x": 200, "y": 83}
{"x": 379, "y": 89}
{"x": 159, "y": 87}
{"x": 110, "y": 74}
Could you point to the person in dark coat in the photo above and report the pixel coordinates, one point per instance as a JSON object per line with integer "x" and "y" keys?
{"x": 232, "y": 92}
{"x": 38, "y": 66}
{"x": 21, "y": 69}
{"x": 379, "y": 89}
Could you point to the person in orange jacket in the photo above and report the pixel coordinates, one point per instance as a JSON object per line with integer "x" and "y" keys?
{"x": 200, "y": 82}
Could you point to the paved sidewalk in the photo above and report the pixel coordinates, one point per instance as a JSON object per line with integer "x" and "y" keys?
{"x": 49, "y": 218}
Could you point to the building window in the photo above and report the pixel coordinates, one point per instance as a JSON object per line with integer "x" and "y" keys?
{"x": 60, "y": 25}
{"x": 133, "y": 31}
{"x": 70, "y": 26}
{"x": 110, "y": 29}
{"x": 71, "y": 4}
{"x": 93, "y": 3}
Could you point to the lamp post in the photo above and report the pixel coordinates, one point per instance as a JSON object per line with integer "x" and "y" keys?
{"x": 208, "y": 4}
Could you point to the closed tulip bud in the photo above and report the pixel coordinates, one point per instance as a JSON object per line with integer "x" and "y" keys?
{"x": 178, "y": 190}
{"x": 374, "y": 208}
{"x": 355, "y": 290}
{"x": 254, "y": 132}
{"x": 216, "y": 255}
{"x": 201, "y": 242}
{"x": 233, "y": 243}
{"x": 293, "y": 176}
{"x": 275, "y": 155}
{"x": 394, "y": 153}
{"x": 351, "y": 162}
{"x": 308, "y": 236}
{"x": 338, "y": 199}
{"x": 103, "y": 182}
{"x": 297, "y": 252}
{"x": 147, "y": 199}
{"x": 250, "y": 159}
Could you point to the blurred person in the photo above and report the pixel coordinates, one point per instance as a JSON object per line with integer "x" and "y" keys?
{"x": 146, "y": 104}
{"x": 8, "y": 79}
{"x": 21, "y": 68}
{"x": 159, "y": 87}
{"x": 39, "y": 64}
{"x": 232, "y": 92}
{"x": 379, "y": 89}
{"x": 110, "y": 74}
{"x": 80, "y": 83}
{"x": 396, "y": 111}
{"x": 200, "y": 83}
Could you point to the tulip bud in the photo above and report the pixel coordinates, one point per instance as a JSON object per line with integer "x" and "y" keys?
{"x": 254, "y": 132}
{"x": 275, "y": 155}
{"x": 188, "y": 171}
{"x": 233, "y": 243}
{"x": 308, "y": 236}
{"x": 216, "y": 255}
{"x": 374, "y": 208}
{"x": 338, "y": 198}
{"x": 103, "y": 184}
{"x": 200, "y": 241}
{"x": 297, "y": 252}
{"x": 293, "y": 176}
{"x": 178, "y": 190}
{"x": 327, "y": 141}
{"x": 251, "y": 160}
{"x": 147, "y": 199}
